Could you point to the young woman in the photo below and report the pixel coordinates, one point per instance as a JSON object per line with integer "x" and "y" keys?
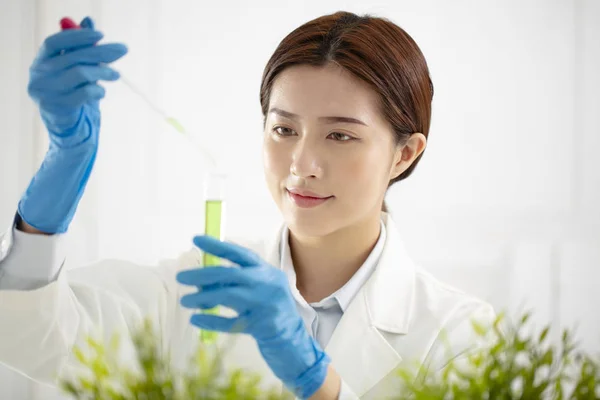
{"x": 331, "y": 304}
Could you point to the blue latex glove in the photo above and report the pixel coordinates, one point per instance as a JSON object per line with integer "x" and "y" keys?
{"x": 64, "y": 84}
{"x": 261, "y": 296}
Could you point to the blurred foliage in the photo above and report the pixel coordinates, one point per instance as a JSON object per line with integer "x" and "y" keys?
{"x": 104, "y": 376}
{"x": 517, "y": 363}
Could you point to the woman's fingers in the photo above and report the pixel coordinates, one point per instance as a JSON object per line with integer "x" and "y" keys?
{"x": 68, "y": 40}
{"x": 216, "y": 275}
{"x": 100, "y": 54}
{"x": 238, "y": 298}
{"x": 229, "y": 251}
{"x": 70, "y": 79}
{"x": 217, "y": 323}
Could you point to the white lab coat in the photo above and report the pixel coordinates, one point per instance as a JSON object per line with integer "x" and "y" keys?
{"x": 396, "y": 318}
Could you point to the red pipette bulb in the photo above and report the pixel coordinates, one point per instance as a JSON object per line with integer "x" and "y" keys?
{"x": 68, "y": 23}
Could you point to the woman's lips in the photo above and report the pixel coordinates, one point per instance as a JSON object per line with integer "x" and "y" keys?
{"x": 306, "y": 201}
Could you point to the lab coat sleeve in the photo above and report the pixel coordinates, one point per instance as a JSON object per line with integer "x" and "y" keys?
{"x": 39, "y": 327}
{"x": 29, "y": 261}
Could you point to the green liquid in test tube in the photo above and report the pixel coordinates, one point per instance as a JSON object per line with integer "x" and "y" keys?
{"x": 214, "y": 213}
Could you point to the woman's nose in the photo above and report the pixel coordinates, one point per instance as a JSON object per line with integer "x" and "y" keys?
{"x": 306, "y": 161}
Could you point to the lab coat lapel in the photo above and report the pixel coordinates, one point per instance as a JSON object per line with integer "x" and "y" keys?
{"x": 272, "y": 250}
{"x": 359, "y": 351}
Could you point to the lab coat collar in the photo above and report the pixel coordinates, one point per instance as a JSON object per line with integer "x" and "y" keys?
{"x": 389, "y": 292}
{"x": 360, "y": 353}
{"x": 344, "y": 295}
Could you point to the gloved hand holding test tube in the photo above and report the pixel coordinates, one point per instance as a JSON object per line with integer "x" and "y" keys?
{"x": 214, "y": 183}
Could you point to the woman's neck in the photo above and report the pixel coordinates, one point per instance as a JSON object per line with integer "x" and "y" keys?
{"x": 325, "y": 264}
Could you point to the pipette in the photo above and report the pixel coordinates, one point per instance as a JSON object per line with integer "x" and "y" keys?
{"x": 68, "y": 23}
{"x": 174, "y": 123}
{"x": 214, "y": 184}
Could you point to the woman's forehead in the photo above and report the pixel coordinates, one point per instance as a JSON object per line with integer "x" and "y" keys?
{"x": 320, "y": 91}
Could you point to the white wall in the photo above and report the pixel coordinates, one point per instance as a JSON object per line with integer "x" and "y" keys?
{"x": 17, "y": 142}
{"x": 503, "y": 204}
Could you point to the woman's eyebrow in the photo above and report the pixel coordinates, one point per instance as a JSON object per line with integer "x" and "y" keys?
{"x": 329, "y": 120}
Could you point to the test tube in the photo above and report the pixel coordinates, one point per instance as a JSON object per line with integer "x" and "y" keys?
{"x": 214, "y": 223}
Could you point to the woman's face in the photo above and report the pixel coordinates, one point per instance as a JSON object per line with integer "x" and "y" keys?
{"x": 328, "y": 151}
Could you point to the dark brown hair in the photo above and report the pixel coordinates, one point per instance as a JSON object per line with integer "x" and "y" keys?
{"x": 376, "y": 51}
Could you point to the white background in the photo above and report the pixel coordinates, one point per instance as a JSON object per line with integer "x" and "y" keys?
{"x": 504, "y": 203}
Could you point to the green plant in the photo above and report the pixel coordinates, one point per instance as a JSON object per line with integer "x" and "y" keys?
{"x": 514, "y": 365}
{"x": 104, "y": 377}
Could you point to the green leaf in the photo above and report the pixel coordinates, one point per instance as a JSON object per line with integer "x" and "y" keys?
{"x": 478, "y": 328}
{"x": 544, "y": 334}
{"x": 79, "y": 355}
{"x": 565, "y": 336}
{"x": 548, "y": 357}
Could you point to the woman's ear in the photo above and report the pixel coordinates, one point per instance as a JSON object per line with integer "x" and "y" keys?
{"x": 407, "y": 153}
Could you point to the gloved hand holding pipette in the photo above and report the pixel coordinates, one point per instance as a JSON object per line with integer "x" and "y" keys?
{"x": 67, "y": 24}
{"x": 64, "y": 84}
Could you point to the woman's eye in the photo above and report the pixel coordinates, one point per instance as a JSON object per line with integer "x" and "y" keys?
{"x": 341, "y": 137}
{"x": 283, "y": 131}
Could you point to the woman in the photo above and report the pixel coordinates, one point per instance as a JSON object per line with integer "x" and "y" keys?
{"x": 331, "y": 305}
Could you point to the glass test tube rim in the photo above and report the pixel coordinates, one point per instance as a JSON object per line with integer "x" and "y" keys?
{"x": 215, "y": 186}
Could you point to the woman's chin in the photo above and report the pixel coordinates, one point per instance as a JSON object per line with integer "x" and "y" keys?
{"x": 305, "y": 224}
